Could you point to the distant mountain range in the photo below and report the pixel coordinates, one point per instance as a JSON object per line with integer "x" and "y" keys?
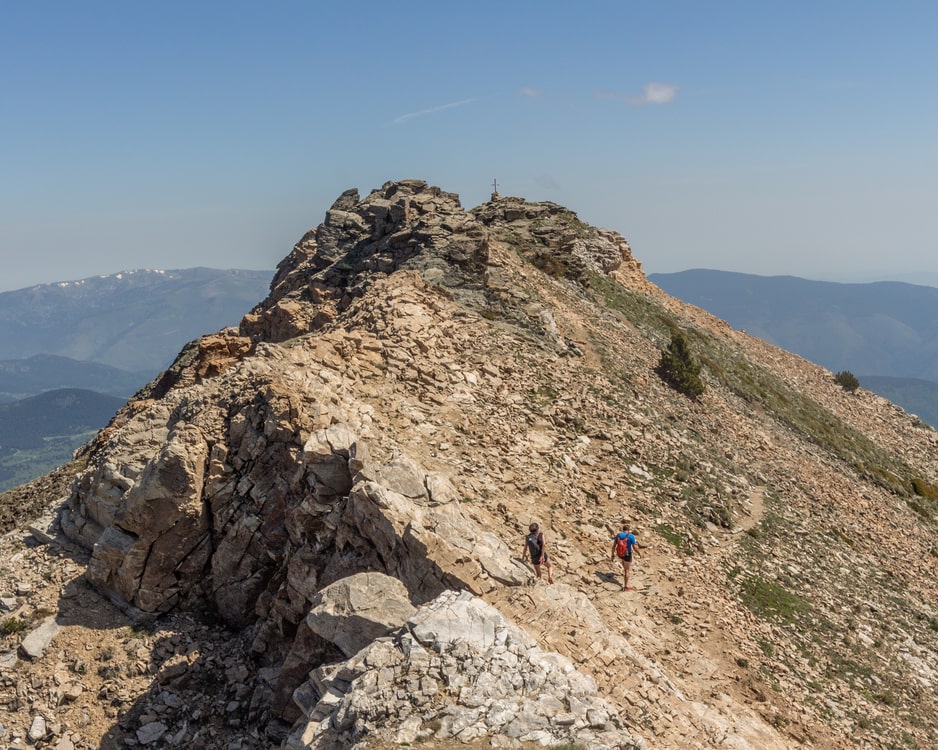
{"x": 885, "y": 333}
{"x": 133, "y": 320}
{"x": 72, "y": 353}
{"x": 919, "y": 397}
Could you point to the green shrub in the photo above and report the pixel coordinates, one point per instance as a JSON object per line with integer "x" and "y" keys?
{"x": 12, "y": 625}
{"x": 678, "y": 368}
{"x": 847, "y": 380}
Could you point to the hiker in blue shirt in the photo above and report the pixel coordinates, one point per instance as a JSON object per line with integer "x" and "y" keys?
{"x": 623, "y": 546}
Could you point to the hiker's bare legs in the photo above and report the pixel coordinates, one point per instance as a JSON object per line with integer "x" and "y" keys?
{"x": 625, "y": 574}
{"x": 546, "y": 564}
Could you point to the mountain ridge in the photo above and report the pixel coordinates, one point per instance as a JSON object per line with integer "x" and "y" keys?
{"x": 43, "y": 431}
{"x": 420, "y": 384}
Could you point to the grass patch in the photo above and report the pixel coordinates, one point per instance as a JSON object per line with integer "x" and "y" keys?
{"x": 766, "y": 647}
{"x": 637, "y": 309}
{"x": 674, "y": 538}
{"x": 767, "y": 600}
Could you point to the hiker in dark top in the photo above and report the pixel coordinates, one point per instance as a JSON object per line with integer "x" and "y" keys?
{"x": 623, "y": 546}
{"x": 534, "y": 545}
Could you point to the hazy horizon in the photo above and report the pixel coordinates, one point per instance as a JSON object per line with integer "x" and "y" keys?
{"x": 926, "y": 279}
{"x": 770, "y": 138}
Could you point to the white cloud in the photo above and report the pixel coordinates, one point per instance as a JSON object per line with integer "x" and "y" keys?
{"x": 532, "y": 92}
{"x": 430, "y": 111}
{"x": 659, "y": 93}
{"x": 653, "y": 93}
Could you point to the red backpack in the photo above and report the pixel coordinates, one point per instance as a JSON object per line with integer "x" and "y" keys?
{"x": 622, "y": 544}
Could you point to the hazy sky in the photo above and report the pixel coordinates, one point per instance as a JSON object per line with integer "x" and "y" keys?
{"x": 796, "y": 137}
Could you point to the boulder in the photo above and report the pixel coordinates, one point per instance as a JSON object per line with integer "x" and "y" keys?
{"x": 353, "y": 612}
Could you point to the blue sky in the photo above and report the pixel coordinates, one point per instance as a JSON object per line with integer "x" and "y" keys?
{"x": 772, "y": 138}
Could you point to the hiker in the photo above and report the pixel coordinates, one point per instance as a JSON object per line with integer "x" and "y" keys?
{"x": 623, "y": 545}
{"x": 534, "y": 544}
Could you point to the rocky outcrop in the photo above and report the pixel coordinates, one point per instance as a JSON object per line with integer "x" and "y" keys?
{"x": 457, "y": 670}
{"x": 554, "y": 239}
{"x": 270, "y": 516}
{"x": 403, "y": 225}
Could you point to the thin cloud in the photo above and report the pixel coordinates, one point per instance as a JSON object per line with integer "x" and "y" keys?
{"x": 653, "y": 93}
{"x": 430, "y": 111}
{"x": 659, "y": 93}
{"x": 532, "y": 92}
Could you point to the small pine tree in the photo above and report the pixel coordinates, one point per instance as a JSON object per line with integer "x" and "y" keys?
{"x": 678, "y": 369}
{"x": 847, "y": 380}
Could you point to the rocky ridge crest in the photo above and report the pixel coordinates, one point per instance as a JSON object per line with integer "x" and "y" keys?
{"x": 422, "y": 382}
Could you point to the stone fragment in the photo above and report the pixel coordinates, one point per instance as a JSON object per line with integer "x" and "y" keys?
{"x": 151, "y": 732}
{"x": 37, "y": 729}
{"x": 35, "y": 644}
{"x": 45, "y": 528}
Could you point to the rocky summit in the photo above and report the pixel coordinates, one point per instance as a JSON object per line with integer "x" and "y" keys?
{"x": 308, "y": 532}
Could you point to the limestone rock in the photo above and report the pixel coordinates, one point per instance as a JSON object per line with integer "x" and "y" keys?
{"x": 461, "y": 666}
{"x": 38, "y": 729}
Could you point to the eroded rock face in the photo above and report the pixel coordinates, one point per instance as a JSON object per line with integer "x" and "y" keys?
{"x": 344, "y": 618}
{"x": 403, "y": 225}
{"x": 554, "y": 239}
{"x": 260, "y": 504}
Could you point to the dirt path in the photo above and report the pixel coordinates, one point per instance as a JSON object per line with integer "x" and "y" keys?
{"x": 757, "y": 511}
